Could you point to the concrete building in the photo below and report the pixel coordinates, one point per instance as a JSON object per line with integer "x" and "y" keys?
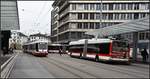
{"x": 71, "y": 19}
{"x": 17, "y": 39}
{"x": 39, "y": 36}
{"x": 9, "y": 21}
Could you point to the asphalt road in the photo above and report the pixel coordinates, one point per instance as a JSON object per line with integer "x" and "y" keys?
{"x": 56, "y": 66}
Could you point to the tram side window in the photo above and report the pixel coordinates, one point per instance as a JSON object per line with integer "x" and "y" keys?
{"x": 77, "y": 48}
{"x": 93, "y": 48}
{"x": 104, "y": 48}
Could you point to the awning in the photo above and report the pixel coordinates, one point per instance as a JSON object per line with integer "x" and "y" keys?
{"x": 126, "y": 27}
{"x": 9, "y": 15}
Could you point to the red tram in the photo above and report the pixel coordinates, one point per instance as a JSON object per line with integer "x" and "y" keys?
{"x": 100, "y": 49}
{"x": 36, "y": 48}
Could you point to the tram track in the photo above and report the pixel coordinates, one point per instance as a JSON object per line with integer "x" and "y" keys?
{"x": 68, "y": 68}
{"x": 65, "y": 69}
{"x": 113, "y": 68}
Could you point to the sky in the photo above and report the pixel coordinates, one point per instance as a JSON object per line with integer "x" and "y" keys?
{"x": 35, "y": 16}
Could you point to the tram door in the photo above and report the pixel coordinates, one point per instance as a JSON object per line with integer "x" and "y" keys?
{"x": 36, "y": 46}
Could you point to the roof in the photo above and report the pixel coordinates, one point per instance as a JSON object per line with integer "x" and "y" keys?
{"x": 9, "y": 15}
{"x": 55, "y": 44}
{"x": 127, "y": 27}
{"x": 39, "y": 34}
{"x": 90, "y": 41}
{"x": 21, "y": 34}
{"x": 37, "y": 41}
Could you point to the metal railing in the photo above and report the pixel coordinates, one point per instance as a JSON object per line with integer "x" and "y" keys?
{"x": 7, "y": 66}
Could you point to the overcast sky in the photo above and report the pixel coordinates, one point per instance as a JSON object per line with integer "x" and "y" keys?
{"x": 35, "y": 16}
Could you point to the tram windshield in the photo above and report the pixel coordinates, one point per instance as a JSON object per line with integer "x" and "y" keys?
{"x": 120, "y": 46}
{"x": 42, "y": 46}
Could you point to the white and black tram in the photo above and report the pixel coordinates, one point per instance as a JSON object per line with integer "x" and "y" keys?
{"x": 36, "y": 48}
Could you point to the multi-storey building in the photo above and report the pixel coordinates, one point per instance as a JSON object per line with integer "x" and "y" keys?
{"x": 39, "y": 36}
{"x": 72, "y": 18}
{"x": 17, "y": 39}
{"x": 9, "y": 20}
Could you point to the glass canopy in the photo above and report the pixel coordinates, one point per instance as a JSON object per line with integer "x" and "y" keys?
{"x": 127, "y": 27}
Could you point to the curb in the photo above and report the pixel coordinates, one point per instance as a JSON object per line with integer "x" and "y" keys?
{"x": 7, "y": 66}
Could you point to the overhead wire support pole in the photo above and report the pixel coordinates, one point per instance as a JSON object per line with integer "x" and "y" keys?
{"x": 101, "y": 7}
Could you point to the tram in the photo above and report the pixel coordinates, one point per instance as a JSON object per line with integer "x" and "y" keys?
{"x": 101, "y": 49}
{"x": 54, "y": 48}
{"x": 36, "y": 48}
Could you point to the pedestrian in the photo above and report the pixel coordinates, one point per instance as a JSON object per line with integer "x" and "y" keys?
{"x": 11, "y": 50}
{"x": 144, "y": 55}
{"x": 60, "y": 52}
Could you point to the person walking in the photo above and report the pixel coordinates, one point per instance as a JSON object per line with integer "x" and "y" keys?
{"x": 144, "y": 55}
{"x": 60, "y": 52}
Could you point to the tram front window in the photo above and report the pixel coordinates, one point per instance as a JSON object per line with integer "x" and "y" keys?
{"x": 120, "y": 46}
{"x": 42, "y": 46}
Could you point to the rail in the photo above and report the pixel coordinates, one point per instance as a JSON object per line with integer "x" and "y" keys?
{"x": 7, "y": 66}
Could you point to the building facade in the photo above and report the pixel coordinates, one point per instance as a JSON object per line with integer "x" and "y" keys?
{"x": 71, "y": 19}
{"x": 9, "y": 21}
{"x": 39, "y": 36}
{"x": 17, "y": 40}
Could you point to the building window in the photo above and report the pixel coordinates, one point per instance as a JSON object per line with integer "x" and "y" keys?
{"x": 104, "y": 25}
{"x": 92, "y": 6}
{"x": 110, "y": 16}
{"x": 86, "y": 6}
{"x": 104, "y": 16}
{"x": 123, "y": 16}
{"x": 73, "y": 6}
{"x": 130, "y": 6}
{"x": 97, "y": 25}
{"x": 98, "y": 6}
{"x": 142, "y": 15}
{"x": 74, "y": 16}
{"x": 141, "y": 36}
{"x": 80, "y": 7}
{"x": 110, "y": 6}
{"x": 91, "y": 15}
{"x": 80, "y": 16}
{"x": 129, "y": 16}
{"x": 117, "y": 6}
{"x": 123, "y": 6}
{"x": 91, "y": 25}
{"x": 148, "y": 35}
{"x": 86, "y": 16}
{"x": 98, "y": 16}
{"x": 79, "y": 26}
{"x": 116, "y": 16}
{"x": 148, "y": 6}
{"x": 136, "y": 16}
{"x": 104, "y": 6}
{"x": 136, "y": 6}
{"x": 85, "y": 25}
{"x": 143, "y": 6}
